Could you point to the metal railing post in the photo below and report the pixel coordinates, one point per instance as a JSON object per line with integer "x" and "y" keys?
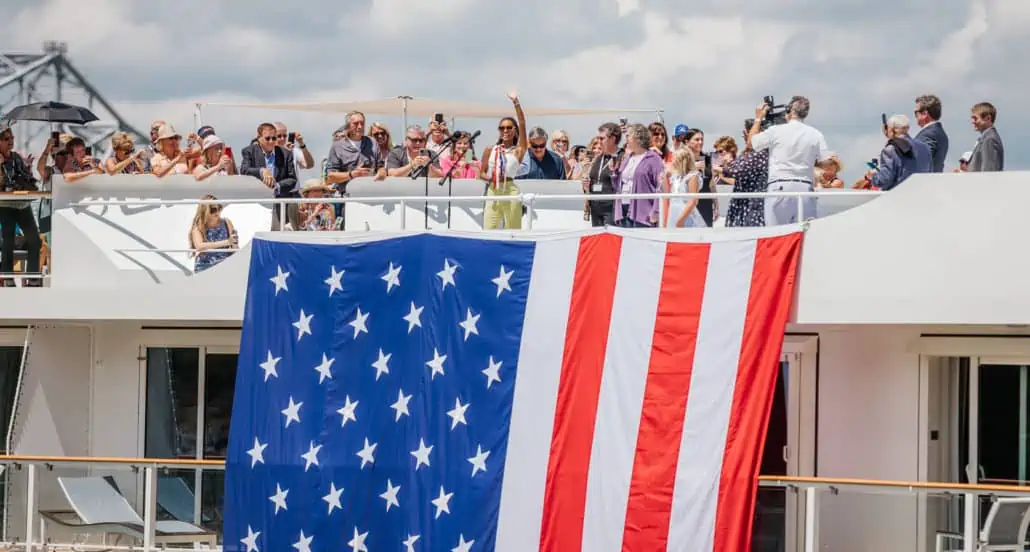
{"x": 529, "y": 199}
{"x": 149, "y": 506}
{"x": 403, "y": 208}
{"x": 971, "y": 525}
{"x": 31, "y": 507}
{"x": 811, "y": 520}
{"x": 801, "y": 208}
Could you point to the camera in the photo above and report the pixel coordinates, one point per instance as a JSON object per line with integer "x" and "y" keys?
{"x": 19, "y": 179}
{"x": 777, "y": 114}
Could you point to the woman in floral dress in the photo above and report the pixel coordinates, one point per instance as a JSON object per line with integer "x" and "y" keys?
{"x": 748, "y": 173}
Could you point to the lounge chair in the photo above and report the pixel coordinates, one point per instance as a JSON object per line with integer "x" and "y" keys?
{"x": 97, "y": 507}
{"x": 1004, "y": 530}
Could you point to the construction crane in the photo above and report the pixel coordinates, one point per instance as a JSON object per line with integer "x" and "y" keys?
{"x": 50, "y": 76}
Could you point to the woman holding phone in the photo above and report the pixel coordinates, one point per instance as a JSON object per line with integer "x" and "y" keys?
{"x": 501, "y": 164}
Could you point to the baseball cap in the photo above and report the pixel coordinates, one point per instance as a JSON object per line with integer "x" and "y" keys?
{"x": 205, "y": 131}
{"x": 966, "y": 157}
{"x": 681, "y": 130}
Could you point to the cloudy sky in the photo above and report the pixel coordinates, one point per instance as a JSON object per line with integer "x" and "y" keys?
{"x": 706, "y": 66}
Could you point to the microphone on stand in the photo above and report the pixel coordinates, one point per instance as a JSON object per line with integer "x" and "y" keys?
{"x": 450, "y": 173}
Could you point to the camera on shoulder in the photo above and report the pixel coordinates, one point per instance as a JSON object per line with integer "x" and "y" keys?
{"x": 777, "y": 114}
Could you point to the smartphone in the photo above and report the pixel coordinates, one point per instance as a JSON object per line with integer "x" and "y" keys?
{"x": 623, "y": 121}
{"x": 228, "y": 151}
{"x": 438, "y": 117}
{"x": 55, "y": 136}
{"x": 423, "y": 152}
{"x": 89, "y": 151}
{"x": 291, "y": 137}
{"x": 883, "y": 119}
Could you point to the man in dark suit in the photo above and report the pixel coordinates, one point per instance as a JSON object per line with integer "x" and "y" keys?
{"x": 928, "y": 115}
{"x": 274, "y": 166}
{"x": 989, "y": 152}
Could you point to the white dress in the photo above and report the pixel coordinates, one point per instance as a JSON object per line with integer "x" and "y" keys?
{"x": 678, "y": 184}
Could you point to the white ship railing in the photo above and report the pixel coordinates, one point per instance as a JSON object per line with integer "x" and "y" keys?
{"x": 527, "y": 199}
{"x": 807, "y": 491}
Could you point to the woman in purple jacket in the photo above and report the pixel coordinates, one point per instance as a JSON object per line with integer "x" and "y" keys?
{"x": 639, "y": 172}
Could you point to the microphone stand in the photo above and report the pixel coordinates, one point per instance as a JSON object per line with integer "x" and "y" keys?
{"x": 424, "y": 173}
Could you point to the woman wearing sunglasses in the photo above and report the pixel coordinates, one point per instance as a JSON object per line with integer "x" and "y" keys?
{"x": 502, "y": 162}
{"x": 211, "y": 231}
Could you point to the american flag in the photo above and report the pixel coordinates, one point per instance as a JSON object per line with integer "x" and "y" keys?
{"x": 585, "y": 391}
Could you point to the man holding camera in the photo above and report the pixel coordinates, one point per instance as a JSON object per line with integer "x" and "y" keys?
{"x": 795, "y": 149}
{"x": 16, "y": 176}
{"x": 902, "y": 157}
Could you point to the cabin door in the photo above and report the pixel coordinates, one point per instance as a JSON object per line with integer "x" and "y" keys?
{"x": 789, "y": 448}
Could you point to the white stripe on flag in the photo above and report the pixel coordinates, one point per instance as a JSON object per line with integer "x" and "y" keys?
{"x": 536, "y": 391}
{"x": 720, "y": 330}
{"x": 621, "y": 398}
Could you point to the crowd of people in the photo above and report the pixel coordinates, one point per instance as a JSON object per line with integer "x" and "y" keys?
{"x": 774, "y": 152}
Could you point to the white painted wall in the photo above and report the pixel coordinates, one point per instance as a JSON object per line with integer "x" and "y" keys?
{"x": 868, "y": 428}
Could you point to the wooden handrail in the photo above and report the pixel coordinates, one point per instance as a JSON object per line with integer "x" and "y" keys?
{"x": 185, "y": 462}
{"x": 926, "y": 485}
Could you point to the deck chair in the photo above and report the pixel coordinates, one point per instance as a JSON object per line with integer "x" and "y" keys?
{"x": 1004, "y": 529}
{"x": 97, "y": 507}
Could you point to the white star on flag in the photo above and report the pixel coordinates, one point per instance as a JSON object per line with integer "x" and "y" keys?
{"x": 359, "y": 323}
{"x": 279, "y": 498}
{"x": 257, "y": 454}
{"x": 422, "y": 454}
{"x": 401, "y": 406}
{"x": 381, "y": 365}
{"x": 292, "y": 412}
{"x": 333, "y": 498}
{"x": 357, "y": 544}
{"x": 311, "y": 456}
{"x": 367, "y": 454}
{"x": 303, "y": 324}
{"x": 447, "y": 274}
{"x": 502, "y": 281}
{"x": 269, "y": 366}
{"x": 280, "y": 280}
{"x": 347, "y": 411}
{"x": 250, "y": 541}
{"x": 303, "y": 544}
{"x": 414, "y": 317}
{"x": 436, "y": 364}
{"x": 442, "y": 503}
{"x": 390, "y": 495}
{"x": 479, "y": 460}
{"x": 334, "y": 280}
{"x": 462, "y": 545}
{"x": 469, "y": 324}
{"x": 457, "y": 414}
{"x": 323, "y": 368}
{"x": 492, "y": 372}
{"x": 392, "y": 277}
{"x": 409, "y": 543}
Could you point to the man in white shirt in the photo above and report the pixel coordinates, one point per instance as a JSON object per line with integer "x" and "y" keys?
{"x": 795, "y": 149}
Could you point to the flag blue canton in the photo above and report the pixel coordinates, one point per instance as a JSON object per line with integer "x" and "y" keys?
{"x": 374, "y": 394}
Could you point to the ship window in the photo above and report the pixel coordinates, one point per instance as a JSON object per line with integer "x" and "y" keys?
{"x": 189, "y": 399}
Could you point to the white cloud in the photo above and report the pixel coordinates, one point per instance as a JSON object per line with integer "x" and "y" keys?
{"x": 627, "y": 7}
{"x": 396, "y": 16}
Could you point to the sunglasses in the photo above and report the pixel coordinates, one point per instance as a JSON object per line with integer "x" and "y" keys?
{"x": 378, "y": 134}
{"x": 269, "y": 138}
{"x": 280, "y": 136}
{"x": 538, "y": 146}
{"x": 214, "y": 209}
{"x": 505, "y": 127}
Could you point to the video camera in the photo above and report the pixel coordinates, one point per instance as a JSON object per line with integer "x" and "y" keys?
{"x": 777, "y": 114}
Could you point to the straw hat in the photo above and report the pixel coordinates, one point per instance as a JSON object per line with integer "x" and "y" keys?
{"x": 167, "y": 131}
{"x": 313, "y": 184}
{"x": 212, "y": 141}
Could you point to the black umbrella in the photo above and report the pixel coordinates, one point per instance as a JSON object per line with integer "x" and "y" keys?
{"x": 52, "y": 112}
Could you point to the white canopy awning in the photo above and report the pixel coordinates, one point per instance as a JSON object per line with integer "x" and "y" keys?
{"x": 422, "y": 107}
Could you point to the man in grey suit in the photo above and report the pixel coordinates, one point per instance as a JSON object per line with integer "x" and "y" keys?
{"x": 989, "y": 152}
{"x": 928, "y": 115}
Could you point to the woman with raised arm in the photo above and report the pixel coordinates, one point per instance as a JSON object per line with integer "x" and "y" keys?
{"x": 501, "y": 164}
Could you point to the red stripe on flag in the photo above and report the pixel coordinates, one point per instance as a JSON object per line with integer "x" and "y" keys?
{"x": 579, "y": 387}
{"x": 772, "y": 291}
{"x": 665, "y": 397}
